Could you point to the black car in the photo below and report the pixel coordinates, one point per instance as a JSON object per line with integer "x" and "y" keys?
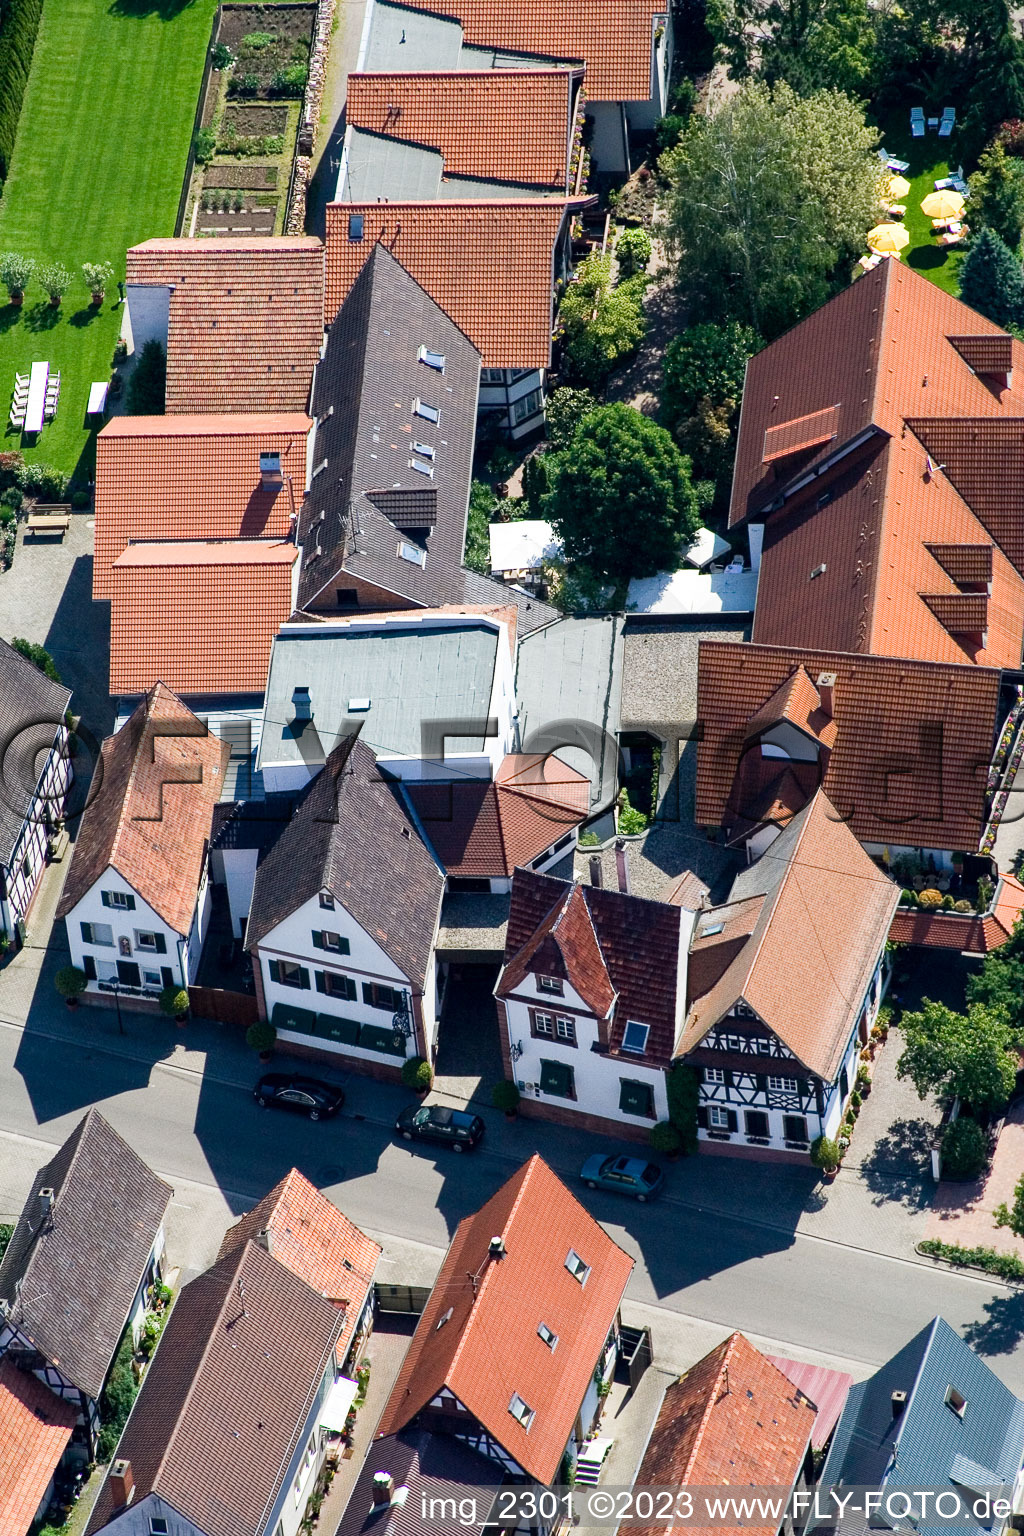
{"x": 436, "y": 1122}
{"x": 308, "y": 1095}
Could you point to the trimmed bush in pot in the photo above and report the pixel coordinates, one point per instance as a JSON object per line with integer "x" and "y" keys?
{"x": 261, "y": 1037}
{"x": 665, "y": 1138}
{"x": 417, "y": 1073}
{"x": 506, "y": 1096}
{"x": 174, "y": 1002}
{"x": 71, "y": 983}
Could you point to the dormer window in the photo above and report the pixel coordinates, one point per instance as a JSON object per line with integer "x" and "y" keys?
{"x": 550, "y": 984}
{"x": 577, "y": 1267}
{"x": 428, "y": 412}
{"x": 521, "y": 1411}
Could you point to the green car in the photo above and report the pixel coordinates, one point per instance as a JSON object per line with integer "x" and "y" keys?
{"x": 627, "y": 1175}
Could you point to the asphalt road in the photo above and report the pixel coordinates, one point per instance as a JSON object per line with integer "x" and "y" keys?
{"x": 754, "y": 1273}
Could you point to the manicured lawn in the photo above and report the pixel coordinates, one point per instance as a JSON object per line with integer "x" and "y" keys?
{"x": 100, "y": 153}
{"x": 928, "y": 164}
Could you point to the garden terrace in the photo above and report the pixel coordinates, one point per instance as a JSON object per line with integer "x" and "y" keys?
{"x": 974, "y": 933}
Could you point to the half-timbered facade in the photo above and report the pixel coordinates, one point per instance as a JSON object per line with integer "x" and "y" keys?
{"x": 34, "y": 780}
{"x": 520, "y": 1331}
{"x": 785, "y": 980}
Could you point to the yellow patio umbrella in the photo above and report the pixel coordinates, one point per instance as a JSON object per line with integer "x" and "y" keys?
{"x": 888, "y": 237}
{"x": 897, "y": 187}
{"x": 943, "y": 205}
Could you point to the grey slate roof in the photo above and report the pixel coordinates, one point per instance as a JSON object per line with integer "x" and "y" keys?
{"x": 363, "y": 398}
{"x": 929, "y": 1446}
{"x": 412, "y": 675}
{"x": 431, "y": 1467}
{"x": 31, "y": 712}
{"x": 79, "y": 1270}
{"x": 219, "y": 1416}
{"x": 350, "y": 835}
{"x": 567, "y": 686}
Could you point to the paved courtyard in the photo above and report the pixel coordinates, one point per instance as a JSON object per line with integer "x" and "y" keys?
{"x": 963, "y": 1212}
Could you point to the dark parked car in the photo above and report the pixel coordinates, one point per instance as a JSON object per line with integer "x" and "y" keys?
{"x": 307, "y": 1095}
{"x": 436, "y": 1122}
{"x": 627, "y": 1175}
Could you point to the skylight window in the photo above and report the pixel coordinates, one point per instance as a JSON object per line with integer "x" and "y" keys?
{"x": 710, "y": 929}
{"x": 428, "y": 412}
{"x": 413, "y": 554}
{"x": 545, "y": 1333}
{"x": 635, "y": 1037}
{"x": 425, "y": 450}
{"x": 355, "y": 226}
{"x": 157, "y": 1526}
{"x": 520, "y": 1410}
{"x": 445, "y": 1317}
{"x": 433, "y": 360}
{"x": 956, "y": 1401}
{"x": 421, "y": 468}
{"x": 576, "y": 1267}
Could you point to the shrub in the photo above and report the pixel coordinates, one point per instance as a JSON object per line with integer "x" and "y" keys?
{"x": 116, "y": 1399}
{"x": 825, "y": 1154}
{"x": 255, "y": 42}
{"x": 261, "y": 1036}
{"x": 290, "y": 81}
{"x": 588, "y": 839}
{"x": 70, "y": 981}
{"x": 505, "y": 1096}
{"x": 11, "y": 499}
{"x": 251, "y": 144}
{"x": 15, "y": 270}
{"x": 222, "y": 57}
{"x": 37, "y": 656}
{"x": 907, "y": 898}
{"x": 206, "y": 143}
{"x": 54, "y": 279}
{"x": 631, "y": 822}
{"x": 17, "y": 41}
{"x": 97, "y": 275}
{"x": 664, "y": 1137}
{"x": 964, "y": 1149}
{"x": 683, "y": 1089}
{"x": 565, "y": 410}
{"x": 962, "y": 906}
{"x": 417, "y": 1073}
{"x": 930, "y": 898}
{"x": 947, "y": 903}
{"x": 668, "y": 130}
{"x": 856, "y": 1099}
{"x": 247, "y": 85}
{"x": 1006, "y": 1265}
{"x": 633, "y": 250}
{"x": 120, "y": 352}
{"x": 1012, "y": 1217}
{"x": 148, "y": 380}
{"x": 174, "y": 1002}
{"x": 79, "y": 500}
{"x": 42, "y": 480}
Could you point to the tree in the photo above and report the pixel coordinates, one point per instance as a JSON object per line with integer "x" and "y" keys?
{"x": 992, "y": 63}
{"x": 55, "y": 280}
{"x": 622, "y": 498}
{"x": 565, "y": 410}
{"x": 970, "y": 1056}
{"x": 701, "y": 391}
{"x": 416, "y": 1073}
{"x": 602, "y": 326}
{"x": 632, "y": 251}
{"x": 664, "y": 1137}
{"x": 477, "y": 553}
{"x": 147, "y": 382}
{"x": 997, "y": 195}
{"x": 15, "y": 272}
{"x": 964, "y": 1148}
{"x": 992, "y": 280}
{"x": 811, "y": 44}
{"x": 768, "y": 196}
{"x": 37, "y": 656}
{"x": 1000, "y": 982}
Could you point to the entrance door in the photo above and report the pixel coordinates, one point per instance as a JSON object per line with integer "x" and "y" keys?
{"x": 129, "y": 973}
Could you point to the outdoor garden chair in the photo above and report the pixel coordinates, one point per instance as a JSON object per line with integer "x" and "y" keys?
{"x": 17, "y": 416}
{"x": 917, "y": 122}
{"x": 891, "y": 163}
{"x": 948, "y": 121}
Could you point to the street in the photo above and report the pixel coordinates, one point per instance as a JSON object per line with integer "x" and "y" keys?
{"x": 184, "y": 1101}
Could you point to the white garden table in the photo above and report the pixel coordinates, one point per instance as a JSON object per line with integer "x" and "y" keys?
{"x": 36, "y": 403}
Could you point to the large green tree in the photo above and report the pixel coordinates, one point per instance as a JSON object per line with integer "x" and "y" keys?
{"x": 1000, "y": 982}
{"x": 992, "y": 280}
{"x": 811, "y": 44}
{"x": 602, "y": 325}
{"x": 768, "y": 195}
{"x": 997, "y": 195}
{"x": 702, "y": 387}
{"x": 622, "y": 500}
{"x": 972, "y": 1056}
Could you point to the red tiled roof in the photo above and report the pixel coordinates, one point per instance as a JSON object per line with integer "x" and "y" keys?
{"x": 964, "y": 564}
{"x": 815, "y": 941}
{"x": 614, "y": 39}
{"x": 827, "y": 1390}
{"x": 932, "y": 446}
{"x": 246, "y": 319}
{"x": 309, "y": 1235}
{"x": 966, "y": 932}
{"x": 733, "y": 1421}
{"x": 482, "y": 829}
{"x": 503, "y": 124}
{"x": 913, "y": 740}
{"x": 478, "y": 1333}
{"x": 192, "y": 477}
{"x": 236, "y": 595}
{"x": 152, "y": 818}
{"x": 801, "y": 433}
{"x": 797, "y": 701}
{"x": 35, "y": 1427}
{"x": 487, "y": 264}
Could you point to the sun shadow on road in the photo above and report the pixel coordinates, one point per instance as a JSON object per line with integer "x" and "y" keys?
{"x": 1001, "y": 1330}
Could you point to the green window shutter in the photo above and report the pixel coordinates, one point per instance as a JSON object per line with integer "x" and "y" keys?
{"x": 556, "y": 1077}
{"x": 368, "y": 993}
{"x": 89, "y": 967}
{"x": 275, "y": 970}
{"x": 318, "y": 939}
{"x": 131, "y": 903}
{"x": 318, "y": 977}
{"x": 161, "y": 944}
{"x": 303, "y": 978}
{"x": 635, "y": 1098}
{"x": 344, "y": 947}
{"x": 349, "y": 989}
{"x": 344, "y": 1031}
{"x": 105, "y": 898}
{"x": 87, "y": 933}
{"x": 733, "y": 1121}
{"x": 167, "y": 976}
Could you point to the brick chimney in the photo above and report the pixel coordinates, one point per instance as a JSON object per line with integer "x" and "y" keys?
{"x": 122, "y": 1484}
{"x": 826, "y": 686}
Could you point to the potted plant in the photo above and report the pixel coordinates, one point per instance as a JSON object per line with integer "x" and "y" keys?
{"x": 261, "y": 1037}
{"x": 55, "y": 280}
{"x": 71, "y": 983}
{"x": 665, "y": 1138}
{"x": 97, "y": 275}
{"x": 174, "y": 1002}
{"x": 826, "y": 1155}
{"x": 417, "y": 1073}
{"x": 506, "y": 1096}
{"x": 15, "y": 271}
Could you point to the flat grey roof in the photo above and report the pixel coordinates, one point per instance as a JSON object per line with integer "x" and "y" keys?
{"x": 402, "y": 40}
{"x": 568, "y": 685}
{"x": 659, "y": 667}
{"x": 412, "y": 677}
{"x": 377, "y": 165}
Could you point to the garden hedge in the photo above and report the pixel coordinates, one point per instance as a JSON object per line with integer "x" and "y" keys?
{"x": 19, "y": 25}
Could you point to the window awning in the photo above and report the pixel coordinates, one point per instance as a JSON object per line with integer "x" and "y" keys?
{"x": 556, "y": 1077}
{"x": 337, "y": 1404}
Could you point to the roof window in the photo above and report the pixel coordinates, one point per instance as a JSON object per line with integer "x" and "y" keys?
{"x": 157, "y": 1525}
{"x": 428, "y": 412}
{"x": 520, "y": 1410}
{"x": 445, "y": 1317}
{"x": 421, "y": 468}
{"x": 956, "y": 1401}
{"x": 425, "y": 450}
{"x": 710, "y": 929}
{"x": 545, "y": 1333}
{"x": 413, "y": 554}
{"x": 635, "y": 1037}
{"x": 433, "y": 360}
{"x": 355, "y": 226}
{"x": 576, "y": 1267}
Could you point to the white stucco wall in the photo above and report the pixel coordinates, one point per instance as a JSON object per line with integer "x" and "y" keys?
{"x": 124, "y": 926}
